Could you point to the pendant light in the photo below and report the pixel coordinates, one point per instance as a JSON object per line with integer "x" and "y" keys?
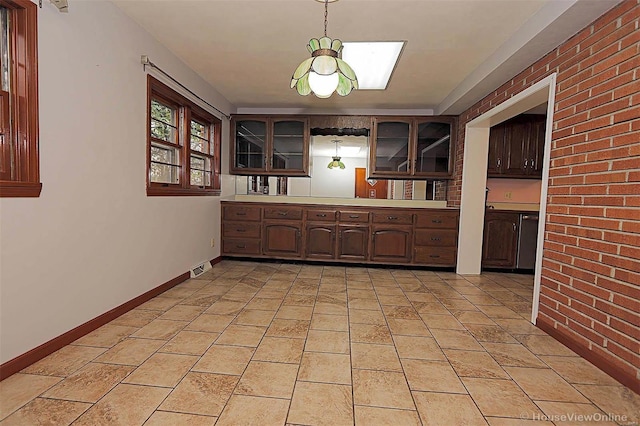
{"x": 325, "y": 72}
{"x": 335, "y": 162}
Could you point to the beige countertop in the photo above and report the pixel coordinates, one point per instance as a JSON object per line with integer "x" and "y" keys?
{"x": 340, "y": 201}
{"x": 524, "y": 207}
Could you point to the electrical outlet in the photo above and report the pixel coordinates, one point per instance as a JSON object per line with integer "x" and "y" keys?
{"x": 507, "y": 195}
{"x": 213, "y": 242}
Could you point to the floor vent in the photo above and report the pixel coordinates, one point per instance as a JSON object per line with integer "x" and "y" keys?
{"x": 200, "y": 269}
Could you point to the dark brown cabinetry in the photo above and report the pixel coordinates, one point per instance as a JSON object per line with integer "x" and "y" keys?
{"x": 500, "y": 239}
{"x": 412, "y": 147}
{"x": 516, "y": 147}
{"x": 262, "y": 145}
{"x": 425, "y": 237}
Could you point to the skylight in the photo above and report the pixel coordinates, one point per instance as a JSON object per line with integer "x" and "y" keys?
{"x": 373, "y": 62}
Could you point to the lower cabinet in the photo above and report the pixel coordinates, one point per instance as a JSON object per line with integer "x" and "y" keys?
{"x": 391, "y": 244}
{"x": 320, "y": 242}
{"x": 353, "y": 242}
{"x": 282, "y": 239}
{"x": 500, "y": 240}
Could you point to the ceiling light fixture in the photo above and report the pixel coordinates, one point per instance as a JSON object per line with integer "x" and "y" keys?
{"x": 335, "y": 162}
{"x": 325, "y": 72}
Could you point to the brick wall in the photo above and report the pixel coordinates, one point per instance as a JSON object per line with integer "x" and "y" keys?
{"x": 408, "y": 190}
{"x": 590, "y": 288}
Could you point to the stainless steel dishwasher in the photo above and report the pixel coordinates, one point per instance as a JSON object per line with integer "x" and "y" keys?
{"x": 527, "y": 241}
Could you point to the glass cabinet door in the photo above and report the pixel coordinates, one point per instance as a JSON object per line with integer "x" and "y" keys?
{"x": 289, "y": 147}
{"x": 250, "y": 145}
{"x": 391, "y": 147}
{"x": 434, "y": 142}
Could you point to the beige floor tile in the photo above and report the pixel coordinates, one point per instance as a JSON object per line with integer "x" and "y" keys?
{"x": 131, "y": 351}
{"x": 325, "y": 368}
{"x": 617, "y": 400}
{"x": 375, "y": 416}
{"x": 458, "y": 304}
{"x": 19, "y": 389}
{"x": 126, "y": 405}
{"x": 241, "y": 335}
{"x": 448, "y": 322}
{"x": 544, "y": 385}
{"x": 182, "y": 313}
{"x": 475, "y": 364}
{"x": 418, "y": 348}
{"x": 225, "y": 307}
{"x": 280, "y": 349}
{"x": 268, "y": 379}
{"x": 578, "y": 370}
{"x": 264, "y": 304}
{"x": 295, "y": 312}
{"x": 500, "y": 398}
{"x": 447, "y": 409}
{"x": 421, "y": 297}
{"x": 364, "y": 304}
{"x": 179, "y": 292}
{"x": 160, "y": 329}
{"x": 434, "y": 376}
{"x": 41, "y": 411}
{"x": 136, "y": 318}
{"x": 381, "y": 389}
{"x": 164, "y": 370}
{"x": 166, "y": 418}
{"x": 499, "y": 312}
{"x": 160, "y": 304}
{"x": 472, "y": 317}
{"x": 299, "y": 300}
{"x": 572, "y": 414}
{"x": 408, "y": 327}
{"x": 201, "y": 393}
{"x": 190, "y": 343}
{"x": 435, "y": 308}
{"x": 329, "y": 308}
{"x": 253, "y": 410}
{"x": 518, "y": 326}
{"x": 330, "y": 322}
{"x": 358, "y": 293}
{"x": 106, "y": 336}
{"x": 90, "y": 383}
{"x": 375, "y": 357}
{"x": 371, "y": 333}
{"x": 225, "y": 360}
{"x": 456, "y": 339}
{"x": 400, "y": 312}
{"x": 210, "y": 323}
{"x": 64, "y": 361}
{"x": 204, "y": 300}
{"x": 362, "y": 316}
{"x": 392, "y": 299}
{"x": 288, "y": 328}
{"x": 513, "y": 355}
{"x": 504, "y": 421}
{"x": 321, "y": 404}
{"x": 254, "y": 317}
{"x": 489, "y": 333}
{"x": 327, "y": 341}
{"x": 544, "y": 345}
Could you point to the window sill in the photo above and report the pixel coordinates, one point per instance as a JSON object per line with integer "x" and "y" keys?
{"x": 171, "y": 192}
{"x": 19, "y": 189}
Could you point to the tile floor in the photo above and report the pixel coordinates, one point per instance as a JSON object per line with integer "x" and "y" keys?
{"x": 275, "y": 343}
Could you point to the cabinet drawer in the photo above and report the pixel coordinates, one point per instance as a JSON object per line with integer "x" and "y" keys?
{"x": 354, "y": 216}
{"x": 393, "y": 218}
{"x": 438, "y": 220}
{"x": 436, "y": 238}
{"x": 241, "y": 230}
{"x": 243, "y": 213}
{"x": 321, "y": 215}
{"x": 290, "y": 213}
{"x": 240, "y": 246}
{"x": 440, "y": 256}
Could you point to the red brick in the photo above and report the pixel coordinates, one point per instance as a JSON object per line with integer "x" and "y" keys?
{"x": 605, "y": 178}
{"x": 622, "y": 213}
{"x": 632, "y": 304}
{"x": 592, "y": 146}
{"x": 589, "y": 190}
{"x": 600, "y": 246}
{"x": 625, "y": 327}
{"x": 596, "y": 79}
{"x": 594, "y": 101}
{"x": 599, "y": 223}
{"x": 616, "y": 12}
{"x": 630, "y": 65}
{"x": 620, "y": 238}
{"x": 626, "y": 90}
{"x": 616, "y": 311}
{"x": 631, "y": 357}
{"x": 604, "y": 201}
{"x": 626, "y": 164}
{"x": 611, "y": 107}
{"x": 617, "y": 337}
{"x": 616, "y": 59}
{"x": 561, "y": 279}
{"x": 590, "y": 168}
{"x": 566, "y": 200}
{"x": 554, "y": 255}
{"x": 609, "y": 130}
{"x": 585, "y": 232}
{"x": 592, "y": 125}
{"x": 589, "y": 310}
{"x": 551, "y": 312}
{"x": 632, "y": 201}
{"x": 618, "y": 152}
{"x": 592, "y": 266}
{"x": 627, "y": 276}
{"x": 589, "y": 287}
{"x": 626, "y": 115}
{"x": 626, "y": 139}
{"x": 627, "y": 189}
{"x": 604, "y": 52}
{"x": 570, "y": 140}
{"x": 586, "y": 332}
{"x": 612, "y": 83}
{"x": 568, "y": 180}
{"x": 582, "y": 253}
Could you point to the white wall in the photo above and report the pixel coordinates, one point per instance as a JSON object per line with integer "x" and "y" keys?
{"x": 335, "y": 182}
{"x": 93, "y": 240}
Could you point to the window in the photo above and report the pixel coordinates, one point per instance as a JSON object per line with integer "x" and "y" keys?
{"x": 19, "y": 168}
{"x": 183, "y": 145}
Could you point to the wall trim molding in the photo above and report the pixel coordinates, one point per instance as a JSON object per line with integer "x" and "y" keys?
{"x": 599, "y": 361}
{"x": 36, "y": 354}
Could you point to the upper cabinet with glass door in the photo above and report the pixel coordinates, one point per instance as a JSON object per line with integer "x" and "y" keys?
{"x": 415, "y": 147}
{"x": 262, "y": 145}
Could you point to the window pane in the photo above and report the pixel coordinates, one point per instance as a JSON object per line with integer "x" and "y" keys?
{"x": 392, "y": 147}
{"x": 288, "y": 142}
{"x": 4, "y": 50}
{"x": 200, "y": 171}
{"x": 251, "y": 136}
{"x": 199, "y": 141}
{"x": 163, "y": 122}
{"x": 434, "y": 140}
{"x": 164, "y": 165}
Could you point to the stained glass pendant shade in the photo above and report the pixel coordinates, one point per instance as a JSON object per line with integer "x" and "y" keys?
{"x": 324, "y": 72}
{"x": 336, "y": 160}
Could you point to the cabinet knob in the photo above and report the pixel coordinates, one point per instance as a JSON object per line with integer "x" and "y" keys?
{"x": 436, "y": 221}
{"x": 321, "y": 215}
{"x": 392, "y": 217}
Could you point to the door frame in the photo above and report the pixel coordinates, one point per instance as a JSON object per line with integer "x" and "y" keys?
{"x": 474, "y": 178}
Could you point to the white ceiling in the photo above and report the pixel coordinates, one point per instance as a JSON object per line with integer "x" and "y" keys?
{"x": 456, "y": 52}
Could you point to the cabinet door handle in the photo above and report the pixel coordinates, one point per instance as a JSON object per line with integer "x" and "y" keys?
{"x": 532, "y": 163}
{"x": 499, "y": 162}
{"x": 514, "y": 227}
{"x": 241, "y": 230}
{"x": 241, "y": 246}
{"x": 436, "y": 221}
{"x": 435, "y": 256}
{"x": 435, "y": 238}
{"x": 321, "y": 215}
{"x": 282, "y": 213}
{"x": 354, "y": 216}
{"x": 241, "y": 214}
{"x": 392, "y": 217}
{"x": 525, "y": 163}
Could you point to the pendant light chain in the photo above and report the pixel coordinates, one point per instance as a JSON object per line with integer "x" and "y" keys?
{"x": 326, "y": 14}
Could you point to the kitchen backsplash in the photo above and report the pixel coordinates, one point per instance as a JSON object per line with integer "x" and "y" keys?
{"x": 513, "y": 190}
